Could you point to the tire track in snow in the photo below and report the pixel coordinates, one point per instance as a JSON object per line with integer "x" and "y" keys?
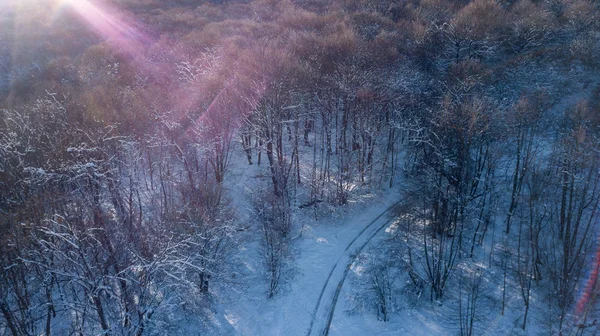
{"x": 320, "y": 304}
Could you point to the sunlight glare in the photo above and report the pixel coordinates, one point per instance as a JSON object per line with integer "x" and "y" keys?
{"x": 110, "y": 27}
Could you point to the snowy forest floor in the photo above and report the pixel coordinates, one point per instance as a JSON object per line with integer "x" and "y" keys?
{"x": 321, "y": 236}
{"x": 326, "y": 238}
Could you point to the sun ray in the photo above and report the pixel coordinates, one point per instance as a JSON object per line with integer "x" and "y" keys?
{"x": 105, "y": 22}
{"x": 123, "y": 33}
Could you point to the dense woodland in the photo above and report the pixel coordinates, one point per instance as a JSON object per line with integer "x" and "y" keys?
{"x": 118, "y": 133}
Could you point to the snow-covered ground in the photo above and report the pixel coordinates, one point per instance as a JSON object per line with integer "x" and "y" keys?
{"x": 316, "y": 295}
{"x": 324, "y": 242}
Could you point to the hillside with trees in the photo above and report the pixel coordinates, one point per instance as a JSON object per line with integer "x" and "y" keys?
{"x": 153, "y": 152}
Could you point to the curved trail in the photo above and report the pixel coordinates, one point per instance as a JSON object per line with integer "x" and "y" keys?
{"x": 323, "y": 313}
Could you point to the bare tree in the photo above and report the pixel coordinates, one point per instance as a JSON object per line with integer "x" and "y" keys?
{"x": 579, "y": 190}
{"x": 470, "y": 284}
{"x": 274, "y": 224}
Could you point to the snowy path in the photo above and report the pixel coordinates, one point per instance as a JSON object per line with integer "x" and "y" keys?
{"x": 326, "y": 303}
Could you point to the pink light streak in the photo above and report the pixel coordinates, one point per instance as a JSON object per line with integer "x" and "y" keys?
{"x": 124, "y": 34}
{"x": 587, "y": 293}
{"x": 116, "y": 31}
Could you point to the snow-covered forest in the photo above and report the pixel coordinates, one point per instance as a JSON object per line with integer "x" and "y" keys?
{"x": 299, "y": 167}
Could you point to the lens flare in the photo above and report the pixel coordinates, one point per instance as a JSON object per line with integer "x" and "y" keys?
{"x": 588, "y": 291}
{"x": 116, "y": 30}
{"x": 122, "y": 32}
